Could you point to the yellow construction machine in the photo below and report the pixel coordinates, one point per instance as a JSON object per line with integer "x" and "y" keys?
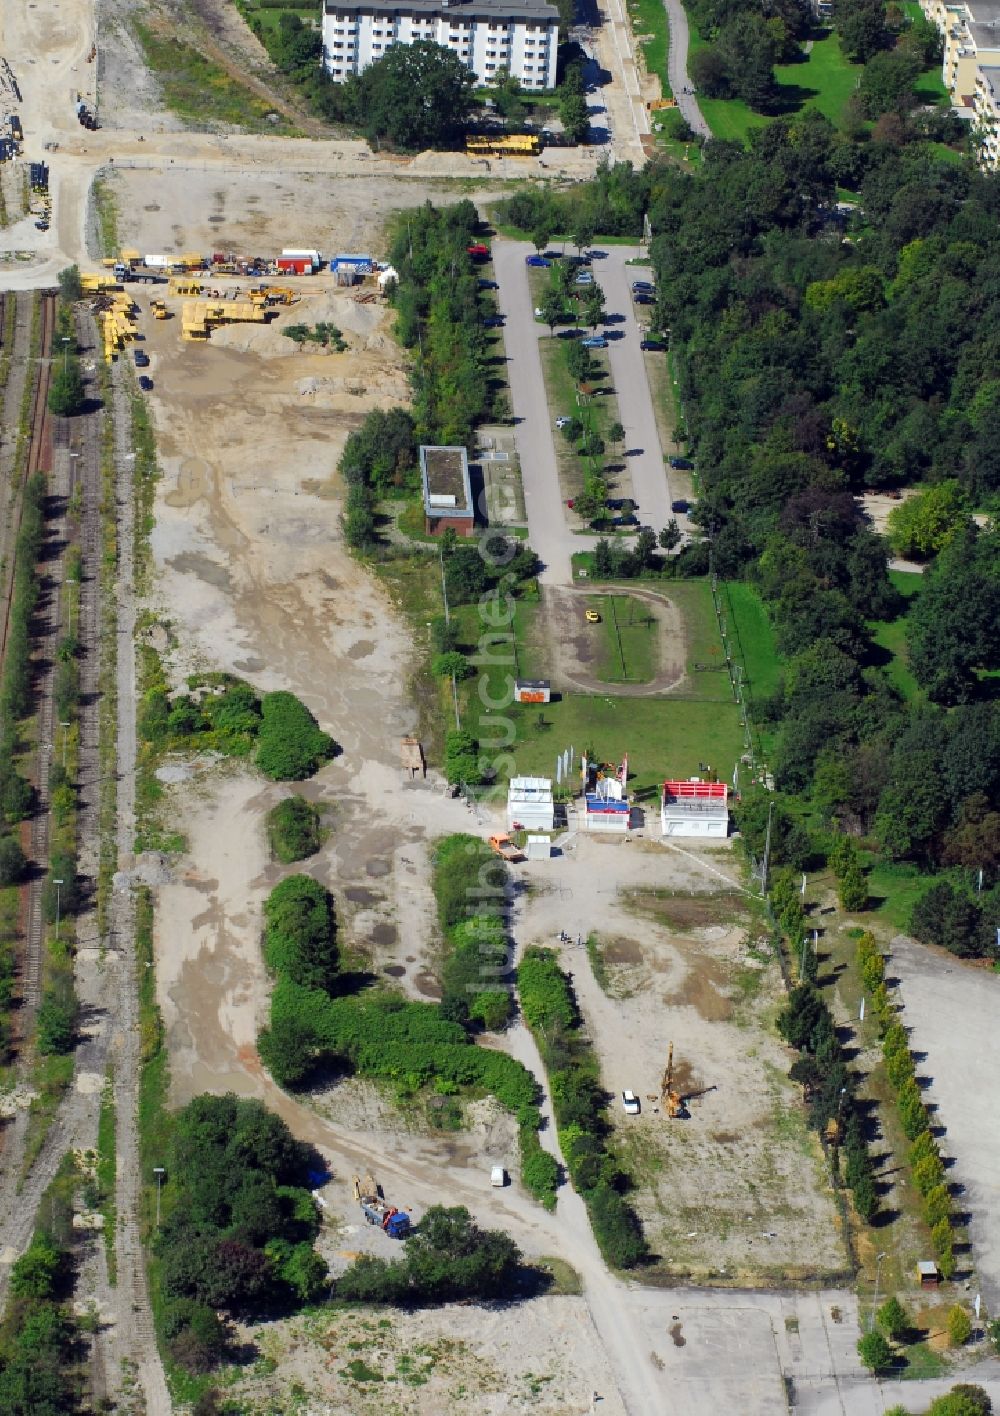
{"x": 671, "y": 1101}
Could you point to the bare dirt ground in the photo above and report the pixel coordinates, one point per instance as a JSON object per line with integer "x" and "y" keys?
{"x": 260, "y": 212}
{"x": 724, "y": 1194}
{"x": 544, "y": 1357}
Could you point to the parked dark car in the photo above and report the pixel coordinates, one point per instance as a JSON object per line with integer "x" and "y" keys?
{"x": 145, "y": 383}
{"x": 643, "y": 287}
{"x": 493, "y": 322}
{"x": 141, "y": 359}
{"x": 655, "y": 344}
{"x": 645, "y": 299}
{"x": 679, "y": 505}
{"x": 682, "y": 463}
{"x": 537, "y": 261}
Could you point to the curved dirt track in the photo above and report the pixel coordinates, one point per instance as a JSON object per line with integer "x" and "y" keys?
{"x": 566, "y": 607}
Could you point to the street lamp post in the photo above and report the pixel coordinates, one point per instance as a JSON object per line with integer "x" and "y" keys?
{"x": 878, "y": 1269}
{"x": 58, "y": 884}
{"x": 159, "y": 1172}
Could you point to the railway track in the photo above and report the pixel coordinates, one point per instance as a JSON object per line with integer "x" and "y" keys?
{"x": 40, "y": 449}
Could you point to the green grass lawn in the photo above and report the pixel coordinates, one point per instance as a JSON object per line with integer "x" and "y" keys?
{"x": 664, "y": 737}
{"x": 754, "y": 639}
{"x": 628, "y": 640}
{"x": 649, "y": 17}
{"x": 197, "y": 89}
{"x": 890, "y": 636}
{"x": 823, "y": 79}
{"x": 897, "y": 887}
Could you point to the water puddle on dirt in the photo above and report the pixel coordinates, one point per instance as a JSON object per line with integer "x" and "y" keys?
{"x": 358, "y": 895}
{"x": 428, "y": 985}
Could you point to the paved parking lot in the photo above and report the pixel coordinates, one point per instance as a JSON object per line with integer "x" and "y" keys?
{"x": 548, "y": 531}
{"x": 952, "y": 1009}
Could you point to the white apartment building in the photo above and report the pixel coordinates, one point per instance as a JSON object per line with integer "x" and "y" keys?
{"x": 986, "y": 110}
{"x": 520, "y": 36}
{"x": 971, "y": 33}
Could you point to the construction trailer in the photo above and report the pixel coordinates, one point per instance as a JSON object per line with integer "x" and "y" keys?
{"x": 530, "y": 805}
{"x": 695, "y": 808}
{"x": 297, "y": 262}
{"x": 606, "y": 805}
{"x": 351, "y": 269}
{"x": 532, "y": 691}
{"x": 90, "y": 283}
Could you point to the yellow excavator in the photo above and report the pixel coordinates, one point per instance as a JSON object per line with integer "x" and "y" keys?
{"x": 671, "y": 1101}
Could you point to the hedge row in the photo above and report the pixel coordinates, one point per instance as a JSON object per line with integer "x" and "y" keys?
{"x": 470, "y": 883}
{"x": 807, "y": 1025}
{"x": 926, "y": 1165}
{"x": 580, "y": 1103}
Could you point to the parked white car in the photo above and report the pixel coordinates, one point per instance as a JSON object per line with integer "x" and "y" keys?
{"x": 631, "y": 1103}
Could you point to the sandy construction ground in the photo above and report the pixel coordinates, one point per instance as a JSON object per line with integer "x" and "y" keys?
{"x": 543, "y": 1357}
{"x": 738, "y": 1191}
{"x": 254, "y": 210}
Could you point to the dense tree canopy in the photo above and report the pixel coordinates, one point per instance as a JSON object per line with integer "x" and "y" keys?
{"x": 416, "y": 96}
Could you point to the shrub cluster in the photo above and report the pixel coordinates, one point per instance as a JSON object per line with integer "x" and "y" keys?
{"x": 845, "y": 862}
{"x": 293, "y": 829}
{"x": 239, "y": 1225}
{"x": 447, "y": 1258}
{"x": 300, "y": 933}
{"x": 952, "y": 917}
{"x": 807, "y": 1025}
{"x": 925, "y": 1159}
{"x": 470, "y": 883}
{"x": 291, "y": 745}
{"x": 224, "y": 713}
{"x": 37, "y": 1338}
{"x": 580, "y": 1102}
{"x": 411, "y": 1045}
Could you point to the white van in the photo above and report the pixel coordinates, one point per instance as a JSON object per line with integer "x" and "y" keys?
{"x": 498, "y": 1177}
